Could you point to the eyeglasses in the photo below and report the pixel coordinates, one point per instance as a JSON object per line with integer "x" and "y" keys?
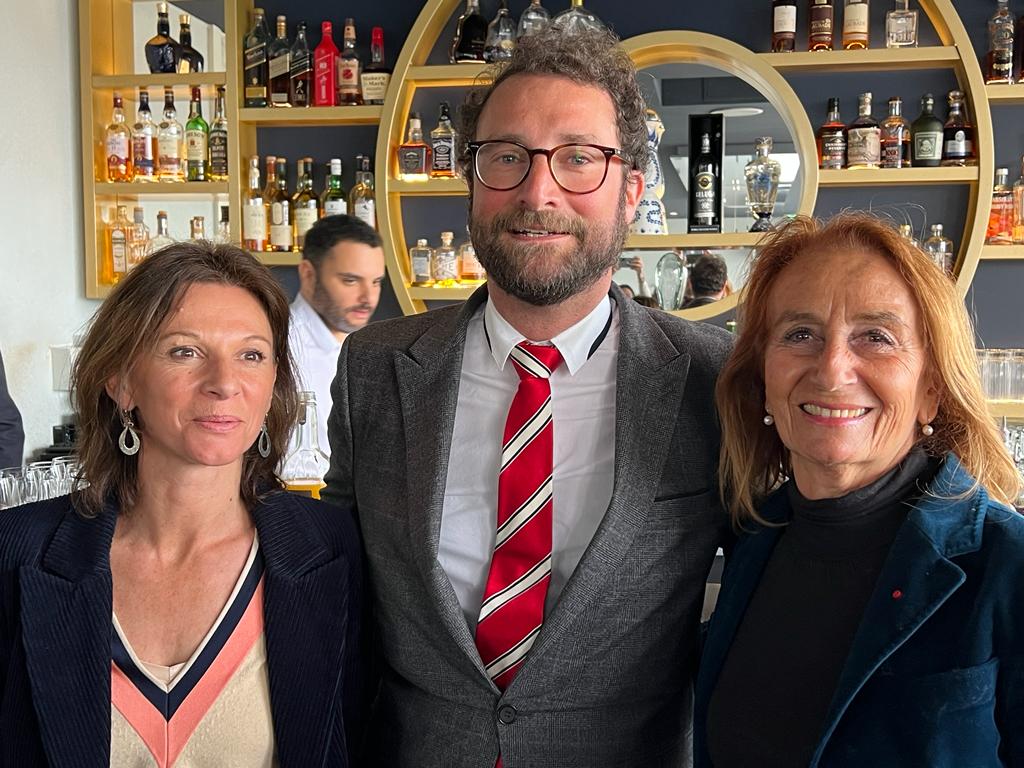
{"x": 578, "y": 168}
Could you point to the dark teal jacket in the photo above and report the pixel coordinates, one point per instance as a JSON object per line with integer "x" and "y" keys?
{"x": 935, "y": 675}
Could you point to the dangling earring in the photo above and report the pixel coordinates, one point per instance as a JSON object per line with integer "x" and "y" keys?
{"x": 927, "y": 430}
{"x": 263, "y": 444}
{"x": 128, "y": 431}
{"x": 768, "y": 419}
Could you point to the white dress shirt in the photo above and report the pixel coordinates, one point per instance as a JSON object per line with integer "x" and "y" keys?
{"x": 583, "y": 414}
{"x": 315, "y": 351}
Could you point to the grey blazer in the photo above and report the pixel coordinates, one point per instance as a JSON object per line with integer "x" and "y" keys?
{"x": 609, "y": 680}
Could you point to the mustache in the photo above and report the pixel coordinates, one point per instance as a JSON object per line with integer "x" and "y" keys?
{"x": 549, "y": 221}
{"x": 358, "y": 307}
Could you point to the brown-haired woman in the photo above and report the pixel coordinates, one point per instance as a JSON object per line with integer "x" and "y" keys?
{"x": 180, "y": 608}
{"x": 870, "y": 613}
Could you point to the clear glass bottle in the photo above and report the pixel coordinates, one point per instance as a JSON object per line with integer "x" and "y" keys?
{"x": 254, "y": 61}
{"x": 783, "y": 26}
{"x": 304, "y": 467}
{"x": 864, "y": 137}
{"x": 224, "y": 225}
{"x": 162, "y": 50}
{"x": 421, "y": 259}
{"x": 170, "y": 142}
{"x": 325, "y": 68}
{"x": 361, "y": 200}
{"x": 197, "y": 140}
{"x": 144, "y": 142}
{"x": 832, "y": 139}
{"x": 305, "y": 205}
{"x": 470, "y": 35}
{"x": 117, "y": 142}
{"x": 300, "y": 75}
{"x": 277, "y": 203}
{"x": 189, "y": 60}
{"x": 471, "y": 271}
{"x": 279, "y": 66}
{"x": 197, "y": 228}
{"x": 940, "y": 248}
{"x": 138, "y": 243}
{"x": 926, "y": 135}
{"x": 856, "y": 25}
{"x": 957, "y": 134}
{"x": 901, "y": 26}
{"x": 255, "y": 236}
{"x": 118, "y": 234}
{"x": 821, "y": 26}
{"x": 533, "y": 20}
{"x": 219, "y": 140}
{"x": 501, "y": 35}
{"x": 1000, "y": 219}
{"x": 576, "y": 18}
{"x": 350, "y": 89}
{"x": 999, "y": 59}
{"x": 376, "y": 76}
{"x": 444, "y": 267}
{"x": 442, "y": 145}
{"x": 333, "y": 201}
{"x": 1018, "y": 208}
{"x": 895, "y": 136}
{"x": 762, "y": 175}
{"x": 907, "y": 233}
{"x": 414, "y": 156}
{"x": 161, "y": 239}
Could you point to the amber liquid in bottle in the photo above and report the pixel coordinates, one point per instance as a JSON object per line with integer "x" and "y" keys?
{"x": 832, "y": 139}
{"x": 783, "y": 25}
{"x": 820, "y": 31}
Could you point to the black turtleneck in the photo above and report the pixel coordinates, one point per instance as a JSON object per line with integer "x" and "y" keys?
{"x": 777, "y": 682}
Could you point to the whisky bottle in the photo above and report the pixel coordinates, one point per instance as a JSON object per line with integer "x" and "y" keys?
{"x": 334, "y": 201}
{"x": 442, "y": 144}
{"x": 170, "y": 160}
{"x": 197, "y": 139}
{"x": 421, "y": 257}
{"x": 138, "y": 242}
{"x": 576, "y": 19}
{"x": 832, "y": 139}
{"x": 821, "y": 26}
{"x": 957, "y": 134}
{"x": 255, "y": 60}
{"x": 901, "y": 26}
{"x": 300, "y": 78}
{"x": 533, "y": 20}
{"x": 414, "y": 155}
{"x": 305, "y": 205}
{"x": 190, "y": 60}
{"x": 1000, "y": 220}
{"x": 276, "y": 203}
{"x": 704, "y": 205}
{"x": 117, "y": 141}
{"x": 940, "y": 248}
{"x": 470, "y": 35}
{"x": 856, "y": 24}
{"x": 144, "y": 137}
{"x": 907, "y": 233}
{"x": 162, "y": 50}
{"x": 376, "y": 76}
{"x": 361, "y": 199}
{"x": 115, "y": 255}
{"x": 501, "y": 36}
{"x": 161, "y": 239}
{"x": 255, "y": 236}
{"x": 279, "y": 57}
{"x": 471, "y": 271}
{"x": 350, "y": 92}
{"x": 444, "y": 267}
{"x": 1018, "y": 208}
{"x": 224, "y": 226}
{"x": 999, "y": 59}
{"x": 325, "y": 68}
{"x": 218, "y": 170}
{"x": 864, "y": 138}
{"x": 926, "y": 135}
{"x": 197, "y": 228}
{"x": 895, "y": 136}
{"x": 783, "y": 25}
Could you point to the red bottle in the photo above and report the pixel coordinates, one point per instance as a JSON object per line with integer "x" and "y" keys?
{"x": 324, "y": 75}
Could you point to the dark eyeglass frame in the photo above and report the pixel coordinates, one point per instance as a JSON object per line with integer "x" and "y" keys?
{"x": 608, "y": 152}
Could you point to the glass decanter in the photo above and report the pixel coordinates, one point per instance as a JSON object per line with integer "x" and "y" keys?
{"x": 305, "y": 465}
{"x": 501, "y": 36}
{"x": 534, "y": 19}
{"x": 670, "y": 281}
{"x": 762, "y": 174}
{"x": 575, "y": 19}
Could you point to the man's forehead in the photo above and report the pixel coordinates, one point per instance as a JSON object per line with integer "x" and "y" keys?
{"x": 350, "y": 255}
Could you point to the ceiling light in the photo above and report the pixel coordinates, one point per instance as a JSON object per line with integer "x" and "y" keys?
{"x": 738, "y": 111}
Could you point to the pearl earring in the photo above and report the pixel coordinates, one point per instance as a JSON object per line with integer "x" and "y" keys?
{"x": 768, "y": 419}
{"x": 927, "y": 430}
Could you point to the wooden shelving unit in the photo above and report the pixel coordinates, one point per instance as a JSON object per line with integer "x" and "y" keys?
{"x": 447, "y": 75}
{"x": 280, "y": 118}
{"x": 159, "y": 189}
{"x": 1004, "y": 410}
{"x": 1005, "y": 94}
{"x": 131, "y": 82}
{"x": 667, "y": 242}
{"x": 870, "y": 60}
{"x": 429, "y": 293}
{"x": 278, "y": 258}
{"x": 1002, "y": 252}
{"x": 880, "y": 177}
{"x": 429, "y": 188}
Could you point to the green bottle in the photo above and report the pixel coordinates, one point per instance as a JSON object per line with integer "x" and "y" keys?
{"x": 197, "y": 141}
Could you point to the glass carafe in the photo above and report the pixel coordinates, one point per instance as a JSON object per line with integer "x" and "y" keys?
{"x": 762, "y": 174}
{"x": 304, "y": 468}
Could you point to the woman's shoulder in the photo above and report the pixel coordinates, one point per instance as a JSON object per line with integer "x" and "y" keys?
{"x": 333, "y": 526}
{"x": 25, "y": 530}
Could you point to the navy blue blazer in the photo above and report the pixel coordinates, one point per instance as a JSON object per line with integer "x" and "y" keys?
{"x": 55, "y": 633}
{"x": 935, "y": 675}
{"x": 12, "y": 436}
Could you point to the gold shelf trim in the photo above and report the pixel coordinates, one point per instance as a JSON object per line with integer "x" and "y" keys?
{"x": 1002, "y": 252}
{"x": 278, "y": 258}
{"x": 1004, "y": 410}
{"x": 872, "y": 177}
{"x": 448, "y": 75}
{"x": 158, "y": 188}
{"x": 667, "y": 242}
{"x": 429, "y": 292}
{"x": 1005, "y": 95}
{"x": 174, "y": 78}
{"x": 315, "y": 116}
{"x": 877, "y": 59}
{"x": 432, "y": 187}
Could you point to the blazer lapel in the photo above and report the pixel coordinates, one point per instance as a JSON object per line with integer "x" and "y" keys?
{"x": 66, "y": 615}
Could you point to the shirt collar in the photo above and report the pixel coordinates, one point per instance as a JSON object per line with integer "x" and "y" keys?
{"x": 317, "y": 328}
{"x": 575, "y": 343}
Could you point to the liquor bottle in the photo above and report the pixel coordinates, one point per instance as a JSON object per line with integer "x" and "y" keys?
{"x": 305, "y": 208}
{"x": 190, "y": 60}
{"x": 1018, "y": 208}
{"x": 442, "y": 144}
{"x": 197, "y": 228}
{"x": 444, "y": 267}
{"x": 940, "y": 248}
{"x": 279, "y": 57}
{"x": 333, "y": 200}
{"x": 276, "y": 204}
{"x": 144, "y": 146}
{"x": 575, "y": 19}
{"x": 115, "y": 253}
{"x": 421, "y": 256}
{"x": 218, "y": 170}
{"x": 471, "y": 271}
{"x": 783, "y": 25}
{"x": 414, "y": 155}
{"x": 999, "y": 59}
{"x": 350, "y": 92}
{"x": 895, "y": 136}
{"x": 907, "y": 233}
{"x": 470, "y": 35}
{"x": 926, "y": 135}
{"x": 957, "y": 134}
{"x": 170, "y": 160}
{"x": 255, "y": 60}
{"x": 856, "y": 25}
{"x": 1000, "y": 219}
{"x": 162, "y": 51}
{"x": 305, "y": 465}
{"x": 704, "y": 206}
{"x": 361, "y": 199}
{"x": 822, "y": 24}
{"x": 762, "y": 175}
{"x": 501, "y": 35}
{"x": 325, "y": 68}
{"x": 138, "y": 242}
{"x": 832, "y": 139}
{"x": 300, "y": 78}
{"x": 254, "y": 216}
{"x": 197, "y": 140}
{"x": 117, "y": 141}
{"x": 376, "y": 76}
{"x": 864, "y": 137}
{"x": 901, "y": 26}
{"x": 224, "y": 226}
{"x": 533, "y": 20}
{"x": 161, "y": 239}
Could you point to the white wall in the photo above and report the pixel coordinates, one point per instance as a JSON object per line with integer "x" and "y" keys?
{"x": 41, "y": 253}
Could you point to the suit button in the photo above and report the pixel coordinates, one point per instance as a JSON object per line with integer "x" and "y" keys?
{"x": 507, "y": 714}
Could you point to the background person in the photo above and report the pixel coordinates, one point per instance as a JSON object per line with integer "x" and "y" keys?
{"x": 871, "y": 614}
{"x": 181, "y": 608}
{"x": 12, "y": 435}
{"x": 708, "y": 281}
{"x": 340, "y": 277}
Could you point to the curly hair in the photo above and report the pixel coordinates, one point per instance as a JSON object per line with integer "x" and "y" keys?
{"x": 589, "y": 58}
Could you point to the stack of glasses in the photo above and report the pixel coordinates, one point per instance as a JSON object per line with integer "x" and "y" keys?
{"x": 1002, "y": 374}
{"x": 37, "y": 481}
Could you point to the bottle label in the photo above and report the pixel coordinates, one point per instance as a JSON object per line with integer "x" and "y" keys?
{"x": 375, "y": 85}
{"x": 254, "y": 57}
{"x": 348, "y": 75}
{"x": 219, "y": 152}
{"x": 833, "y": 150}
{"x": 705, "y": 205}
{"x": 300, "y": 64}
{"x": 421, "y": 266}
{"x": 195, "y": 146}
{"x": 821, "y": 22}
{"x": 855, "y": 20}
{"x": 335, "y": 207}
{"x": 365, "y": 209}
{"x": 864, "y": 146}
{"x": 169, "y": 149}
{"x": 892, "y": 155}
{"x": 254, "y": 222}
{"x": 784, "y": 19}
{"x": 142, "y": 155}
{"x": 471, "y": 267}
{"x": 928, "y": 145}
{"x": 304, "y": 219}
{"x": 958, "y": 145}
{"x": 280, "y": 65}
{"x": 446, "y": 265}
{"x": 412, "y": 161}
{"x": 117, "y": 149}
{"x": 119, "y": 250}
{"x": 444, "y": 152}
{"x": 323, "y": 77}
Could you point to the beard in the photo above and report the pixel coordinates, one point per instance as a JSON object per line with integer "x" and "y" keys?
{"x": 333, "y": 315}
{"x": 541, "y": 275}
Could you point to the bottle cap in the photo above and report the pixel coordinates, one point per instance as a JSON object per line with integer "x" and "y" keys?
{"x": 335, "y": 166}
{"x": 161, "y": 8}
{"x": 185, "y": 19}
{"x": 137, "y": 213}
{"x": 377, "y": 35}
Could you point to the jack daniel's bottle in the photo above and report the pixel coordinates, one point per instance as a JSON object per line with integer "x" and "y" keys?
{"x": 704, "y": 208}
